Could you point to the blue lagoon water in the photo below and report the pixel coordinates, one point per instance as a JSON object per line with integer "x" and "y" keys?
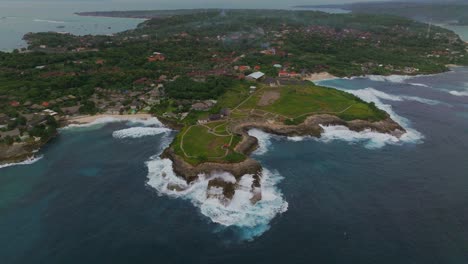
{"x": 351, "y": 198}
{"x": 20, "y": 17}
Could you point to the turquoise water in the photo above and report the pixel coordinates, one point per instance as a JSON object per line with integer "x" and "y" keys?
{"x": 462, "y": 31}
{"x": 18, "y": 18}
{"x": 98, "y": 196}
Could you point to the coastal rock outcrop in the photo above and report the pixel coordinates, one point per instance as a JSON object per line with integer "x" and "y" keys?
{"x": 16, "y": 152}
{"x": 312, "y": 126}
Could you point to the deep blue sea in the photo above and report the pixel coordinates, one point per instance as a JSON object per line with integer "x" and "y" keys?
{"x": 97, "y": 194}
{"x": 18, "y": 17}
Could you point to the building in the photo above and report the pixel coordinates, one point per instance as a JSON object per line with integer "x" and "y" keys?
{"x": 244, "y": 68}
{"x": 15, "y": 103}
{"x": 283, "y": 74}
{"x": 200, "y": 107}
{"x": 225, "y": 112}
{"x": 256, "y": 76}
{"x": 157, "y": 56}
{"x": 50, "y": 112}
{"x": 253, "y": 89}
{"x": 215, "y": 117}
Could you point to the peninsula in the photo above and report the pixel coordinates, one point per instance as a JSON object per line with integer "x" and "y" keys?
{"x": 214, "y": 75}
{"x": 441, "y": 12}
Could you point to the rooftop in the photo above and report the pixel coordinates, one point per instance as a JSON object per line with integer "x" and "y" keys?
{"x": 256, "y": 75}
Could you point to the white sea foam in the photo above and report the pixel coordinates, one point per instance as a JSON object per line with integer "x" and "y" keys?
{"x": 26, "y": 162}
{"x": 49, "y": 21}
{"x": 100, "y": 122}
{"x": 391, "y": 78}
{"x": 264, "y": 141}
{"x": 371, "y": 139}
{"x": 252, "y": 219}
{"x": 138, "y": 132}
{"x": 419, "y": 84}
{"x": 375, "y": 96}
{"x": 459, "y": 93}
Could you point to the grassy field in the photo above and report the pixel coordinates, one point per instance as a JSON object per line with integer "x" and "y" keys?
{"x": 199, "y": 142}
{"x": 295, "y": 102}
{"x": 210, "y": 142}
{"x": 290, "y": 104}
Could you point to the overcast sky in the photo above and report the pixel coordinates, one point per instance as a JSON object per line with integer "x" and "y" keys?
{"x": 108, "y": 5}
{"x": 117, "y": 4}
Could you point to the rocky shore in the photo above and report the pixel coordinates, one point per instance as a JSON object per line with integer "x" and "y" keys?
{"x": 17, "y": 152}
{"x": 312, "y": 126}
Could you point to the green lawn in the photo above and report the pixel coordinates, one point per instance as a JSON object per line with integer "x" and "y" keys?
{"x": 197, "y": 142}
{"x": 296, "y": 101}
{"x": 234, "y": 96}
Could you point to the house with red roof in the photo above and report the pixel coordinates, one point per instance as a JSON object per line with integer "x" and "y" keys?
{"x": 15, "y": 103}
{"x": 157, "y": 56}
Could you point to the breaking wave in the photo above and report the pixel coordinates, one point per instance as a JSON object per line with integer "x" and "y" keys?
{"x": 372, "y": 95}
{"x": 138, "y": 132}
{"x": 264, "y": 141}
{"x": 419, "y": 84}
{"x": 49, "y": 21}
{"x": 29, "y": 161}
{"x": 459, "y": 93}
{"x": 371, "y": 139}
{"x": 391, "y": 78}
{"x": 100, "y": 122}
{"x": 251, "y": 220}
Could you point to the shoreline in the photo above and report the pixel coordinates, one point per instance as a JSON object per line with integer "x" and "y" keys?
{"x": 88, "y": 119}
{"x": 312, "y": 126}
{"x": 19, "y": 153}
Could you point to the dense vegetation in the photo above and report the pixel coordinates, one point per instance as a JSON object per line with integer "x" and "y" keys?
{"x": 440, "y": 12}
{"x": 311, "y": 41}
{"x": 183, "y": 57}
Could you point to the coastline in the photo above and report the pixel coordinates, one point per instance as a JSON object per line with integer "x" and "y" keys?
{"x": 312, "y": 126}
{"x": 88, "y": 119}
{"x": 21, "y": 152}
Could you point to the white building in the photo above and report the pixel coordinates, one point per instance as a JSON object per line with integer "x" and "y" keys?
{"x": 255, "y": 76}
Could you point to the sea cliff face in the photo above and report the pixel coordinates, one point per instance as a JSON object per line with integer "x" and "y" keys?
{"x": 312, "y": 126}
{"x": 17, "y": 152}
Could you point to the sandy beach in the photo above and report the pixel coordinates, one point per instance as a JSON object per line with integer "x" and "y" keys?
{"x": 319, "y": 76}
{"x": 90, "y": 119}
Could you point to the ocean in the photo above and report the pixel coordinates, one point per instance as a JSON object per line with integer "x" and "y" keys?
{"x": 97, "y": 194}
{"x": 20, "y": 17}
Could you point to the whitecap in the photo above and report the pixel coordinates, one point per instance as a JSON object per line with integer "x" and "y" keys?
{"x": 419, "y": 84}
{"x": 138, "y": 132}
{"x": 372, "y": 139}
{"x": 372, "y": 95}
{"x": 29, "y": 161}
{"x": 264, "y": 141}
{"x": 49, "y": 21}
{"x": 459, "y": 93}
{"x": 100, "y": 122}
{"x": 251, "y": 219}
{"x": 390, "y": 78}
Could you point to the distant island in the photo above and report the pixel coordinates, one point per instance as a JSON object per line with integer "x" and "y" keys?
{"x": 214, "y": 75}
{"x": 443, "y": 12}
